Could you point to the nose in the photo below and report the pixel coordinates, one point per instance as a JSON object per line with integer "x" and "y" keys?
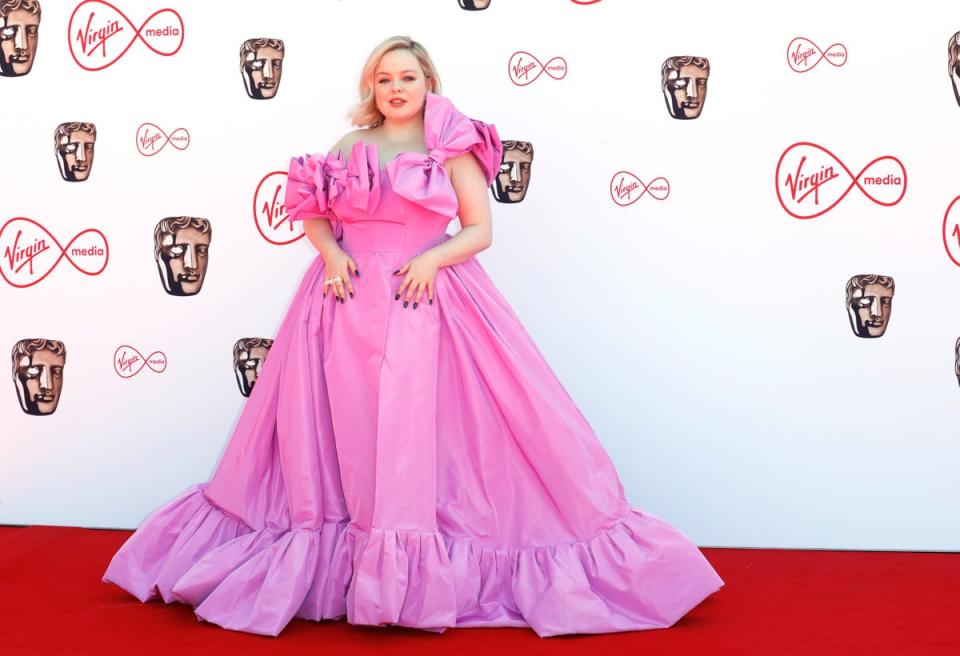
{"x": 20, "y": 40}
{"x": 81, "y": 153}
{"x": 46, "y": 384}
{"x": 514, "y": 172}
{"x": 875, "y": 310}
{"x": 189, "y": 258}
{"x": 268, "y": 70}
{"x": 692, "y": 90}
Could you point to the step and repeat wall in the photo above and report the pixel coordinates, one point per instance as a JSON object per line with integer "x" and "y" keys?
{"x": 733, "y": 231}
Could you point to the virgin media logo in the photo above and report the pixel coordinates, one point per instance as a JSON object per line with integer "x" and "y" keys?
{"x": 99, "y": 33}
{"x": 951, "y": 231}
{"x": 627, "y": 189}
{"x": 269, "y": 212}
{"x": 29, "y": 252}
{"x": 523, "y": 68}
{"x": 803, "y": 54}
{"x": 151, "y": 139}
{"x": 128, "y": 361}
{"x": 812, "y": 181}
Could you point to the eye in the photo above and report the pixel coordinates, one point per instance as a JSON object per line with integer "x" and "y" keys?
{"x": 257, "y": 64}
{"x": 70, "y": 148}
{"x": 887, "y": 301}
{"x": 8, "y": 32}
{"x": 276, "y": 63}
{"x": 504, "y": 167}
{"x": 33, "y": 372}
{"x": 202, "y": 250}
{"x": 176, "y": 250}
{"x": 680, "y": 83}
{"x": 32, "y": 30}
{"x": 525, "y": 166}
{"x": 702, "y": 82}
{"x": 864, "y": 302}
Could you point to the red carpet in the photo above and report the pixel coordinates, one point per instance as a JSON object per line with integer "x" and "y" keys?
{"x": 775, "y": 602}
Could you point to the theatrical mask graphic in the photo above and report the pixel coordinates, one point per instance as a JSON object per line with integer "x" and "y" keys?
{"x": 956, "y": 359}
{"x": 684, "y": 82}
{"x": 249, "y": 354}
{"x": 474, "y": 5}
{"x": 181, "y": 247}
{"x": 74, "y": 145}
{"x": 513, "y": 179}
{"x": 261, "y": 64}
{"x": 869, "y": 303}
{"x": 953, "y": 64}
{"x": 38, "y": 374}
{"x": 19, "y": 26}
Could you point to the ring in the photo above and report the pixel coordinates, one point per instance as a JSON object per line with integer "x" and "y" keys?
{"x": 334, "y": 279}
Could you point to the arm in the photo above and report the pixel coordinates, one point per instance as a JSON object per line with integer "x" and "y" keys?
{"x": 320, "y": 233}
{"x": 475, "y": 214}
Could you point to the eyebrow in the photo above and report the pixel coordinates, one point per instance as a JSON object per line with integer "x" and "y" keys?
{"x": 409, "y": 70}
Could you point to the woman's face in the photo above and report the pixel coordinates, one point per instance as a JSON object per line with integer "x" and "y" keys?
{"x": 398, "y": 77}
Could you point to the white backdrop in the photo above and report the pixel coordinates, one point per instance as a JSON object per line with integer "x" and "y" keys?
{"x": 704, "y": 337}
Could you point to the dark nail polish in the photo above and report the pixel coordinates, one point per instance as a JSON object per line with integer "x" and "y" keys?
{"x": 431, "y": 301}
{"x": 397, "y": 297}
{"x": 358, "y": 273}
{"x": 351, "y": 294}
{"x": 415, "y": 305}
{"x": 406, "y": 303}
{"x": 397, "y": 271}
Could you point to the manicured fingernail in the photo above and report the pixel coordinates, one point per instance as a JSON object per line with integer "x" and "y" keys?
{"x": 358, "y": 273}
{"x": 431, "y": 301}
{"x": 397, "y": 271}
{"x": 351, "y": 294}
{"x": 406, "y": 303}
{"x": 397, "y": 297}
{"x": 414, "y": 305}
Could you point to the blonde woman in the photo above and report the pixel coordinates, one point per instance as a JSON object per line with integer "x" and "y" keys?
{"x": 407, "y": 456}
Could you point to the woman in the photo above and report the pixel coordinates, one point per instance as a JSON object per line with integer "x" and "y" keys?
{"x": 407, "y": 456}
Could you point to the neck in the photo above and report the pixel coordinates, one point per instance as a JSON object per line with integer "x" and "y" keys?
{"x": 402, "y": 131}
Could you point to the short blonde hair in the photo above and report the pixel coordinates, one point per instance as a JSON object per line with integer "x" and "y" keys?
{"x": 365, "y": 113}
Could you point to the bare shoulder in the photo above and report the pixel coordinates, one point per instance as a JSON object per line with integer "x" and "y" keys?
{"x": 347, "y": 140}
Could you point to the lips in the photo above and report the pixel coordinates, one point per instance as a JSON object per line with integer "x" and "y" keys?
{"x": 397, "y": 103}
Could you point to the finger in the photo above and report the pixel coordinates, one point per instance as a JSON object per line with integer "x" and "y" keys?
{"x": 419, "y": 296}
{"x": 403, "y": 286}
{"x": 430, "y": 292}
{"x": 349, "y": 284}
{"x": 339, "y": 291}
{"x": 356, "y": 270}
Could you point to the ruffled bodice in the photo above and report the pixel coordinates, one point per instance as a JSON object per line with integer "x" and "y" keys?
{"x": 410, "y": 186}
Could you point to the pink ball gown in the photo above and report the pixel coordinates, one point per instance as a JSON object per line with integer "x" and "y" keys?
{"x": 419, "y": 467}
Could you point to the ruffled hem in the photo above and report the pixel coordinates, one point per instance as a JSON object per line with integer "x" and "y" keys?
{"x": 638, "y": 574}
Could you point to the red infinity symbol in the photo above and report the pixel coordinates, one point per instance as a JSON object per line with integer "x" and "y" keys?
{"x": 89, "y": 34}
{"x": 28, "y": 248}
{"x": 801, "y": 50}
{"x": 124, "y": 361}
{"x": 147, "y": 140}
{"x": 623, "y": 184}
{"x": 806, "y": 173}
{"x": 523, "y": 68}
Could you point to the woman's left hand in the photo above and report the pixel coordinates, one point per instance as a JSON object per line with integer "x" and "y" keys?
{"x": 418, "y": 280}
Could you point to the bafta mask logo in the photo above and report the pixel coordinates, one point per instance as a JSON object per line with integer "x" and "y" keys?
{"x": 261, "y": 62}
{"x": 38, "y": 374}
{"x": 74, "y": 143}
{"x": 474, "y": 5}
{"x": 869, "y": 302}
{"x": 19, "y": 25}
{"x": 956, "y": 359}
{"x": 513, "y": 179}
{"x": 684, "y": 82}
{"x": 249, "y": 355}
{"x": 180, "y": 246}
{"x": 953, "y": 64}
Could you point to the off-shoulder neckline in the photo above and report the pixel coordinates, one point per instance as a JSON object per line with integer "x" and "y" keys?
{"x": 376, "y": 146}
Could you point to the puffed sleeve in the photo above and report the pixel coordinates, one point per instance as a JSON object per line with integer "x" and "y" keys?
{"x": 312, "y": 185}
{"x": 488, "y": 149}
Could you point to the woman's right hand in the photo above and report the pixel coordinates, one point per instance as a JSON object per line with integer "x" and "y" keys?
{"x": 337, "y": 262}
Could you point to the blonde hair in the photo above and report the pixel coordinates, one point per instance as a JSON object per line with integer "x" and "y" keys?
{"x": 365, "y": 113}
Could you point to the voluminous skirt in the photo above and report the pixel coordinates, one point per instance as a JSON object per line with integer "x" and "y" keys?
{"x": 423, "y": 468}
